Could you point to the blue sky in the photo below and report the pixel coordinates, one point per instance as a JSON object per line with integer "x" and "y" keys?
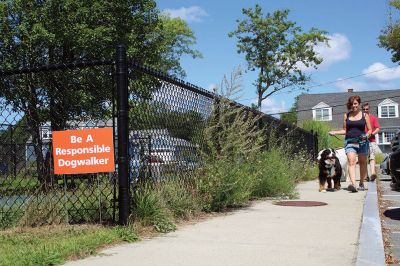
{"x": 353, "y": 27}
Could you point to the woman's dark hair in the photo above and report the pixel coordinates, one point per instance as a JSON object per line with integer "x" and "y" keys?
{"x": 351, "y": 100}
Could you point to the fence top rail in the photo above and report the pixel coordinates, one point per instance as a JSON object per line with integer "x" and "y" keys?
{"x": 179, "y": 82}
{"x": 53, "y": 67}
{"x": 147, "y": 70}
{"x": 196, "y": 89}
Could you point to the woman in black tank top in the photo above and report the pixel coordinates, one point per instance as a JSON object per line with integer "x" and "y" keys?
{"x": 356, "y": 142}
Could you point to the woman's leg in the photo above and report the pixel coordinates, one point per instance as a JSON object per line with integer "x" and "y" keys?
{"x": 351, "y": 159}
{"x": 362, "y": 161}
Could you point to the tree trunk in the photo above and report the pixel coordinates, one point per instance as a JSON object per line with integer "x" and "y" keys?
{"x": 259, "y": 101}
{"x": 259, "y": 89}
{"x": 34, "y": 128}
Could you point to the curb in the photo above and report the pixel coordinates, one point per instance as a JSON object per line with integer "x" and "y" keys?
{"x": 370, "y": 249}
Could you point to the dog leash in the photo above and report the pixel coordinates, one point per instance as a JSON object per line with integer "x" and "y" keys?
{"x": 329, "y": 140}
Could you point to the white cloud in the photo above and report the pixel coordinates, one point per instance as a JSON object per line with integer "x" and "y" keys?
{"x": 212, "y": 87}
{"x": 380, "y": 72}
{"x": 188, "y": 14}
{"x": 271, "y": 106}
{"x": 337, "y": 49}
{"x": 344, "y": 85}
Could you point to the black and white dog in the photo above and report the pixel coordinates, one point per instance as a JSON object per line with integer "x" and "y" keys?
{"x": 330, "y": 169}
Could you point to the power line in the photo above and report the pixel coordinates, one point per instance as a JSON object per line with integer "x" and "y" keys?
{"x": 337, "y": 105}
{"x": 330, "y": 82}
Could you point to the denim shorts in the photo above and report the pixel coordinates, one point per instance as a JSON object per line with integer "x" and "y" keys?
{"x": 361, "y": 149}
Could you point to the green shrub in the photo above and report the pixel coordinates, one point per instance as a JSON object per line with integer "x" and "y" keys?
{"x": 179, "y": 197}
{"x": 322, "y": 129}
{"x": 379, "y": 157}
{"x": 150, "y": 210}
{"x": 10, "y": 217}
{"x": 275, "y": 176}
{"x": 303, "y": 166}
{"x": 224, "y": 183}
{"x": 44, "y": 209}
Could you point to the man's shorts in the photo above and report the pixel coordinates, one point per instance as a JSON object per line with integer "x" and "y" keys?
{"x": 373, "y": 149}
{"x": 360, "y": 149}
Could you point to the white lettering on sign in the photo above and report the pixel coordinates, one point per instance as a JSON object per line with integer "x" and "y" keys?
{"x": 75, "y": 139}
{"x": 89, "y": 138}
{"x": 87, "y": 150}
{"x": 75, "y": 163}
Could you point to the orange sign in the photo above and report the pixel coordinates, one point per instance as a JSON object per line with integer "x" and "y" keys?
{"x": 83, "y": 151}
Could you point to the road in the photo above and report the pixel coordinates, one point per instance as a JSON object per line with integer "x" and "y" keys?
{"x": 390, "y": 218}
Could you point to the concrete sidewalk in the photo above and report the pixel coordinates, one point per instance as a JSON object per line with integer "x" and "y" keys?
{"x": 264, "y": 234}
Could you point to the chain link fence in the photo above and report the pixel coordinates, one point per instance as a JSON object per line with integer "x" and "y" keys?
{"x": 166, "y": 122}
{"x": 34, "y": 103}
{"x": 167, "y": 119}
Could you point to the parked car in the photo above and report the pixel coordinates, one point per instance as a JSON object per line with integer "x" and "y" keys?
{"x": 384, "y": 165}
{"x": 394, "y": 161}
{"x": 159, "y": 157}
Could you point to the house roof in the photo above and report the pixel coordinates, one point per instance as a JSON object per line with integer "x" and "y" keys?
{"x": 338, "y": 102}
{"x": 340, "y": 98}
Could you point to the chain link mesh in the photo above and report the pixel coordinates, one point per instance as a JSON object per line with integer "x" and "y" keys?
{"x": 33, "y": 104}
{"x": 167, "y": 120}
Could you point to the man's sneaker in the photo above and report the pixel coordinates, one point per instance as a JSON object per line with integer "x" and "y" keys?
{"x": 361, "y": 187}
{"x": 352, "y": 188}
{"x": 373, "y": 177}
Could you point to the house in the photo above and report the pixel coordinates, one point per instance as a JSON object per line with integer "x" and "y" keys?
{"x": 330, "y": 107}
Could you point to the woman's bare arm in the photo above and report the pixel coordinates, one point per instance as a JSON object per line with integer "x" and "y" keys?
{"x": 340, "y": 132}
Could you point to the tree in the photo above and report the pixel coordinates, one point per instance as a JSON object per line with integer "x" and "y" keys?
{"x": 276, "y": 48}
{"x": 390, "y": 37}
{"x": 291, "y": 116}
{"x": 40, "y": 32}
{"x": 53, "y": 31}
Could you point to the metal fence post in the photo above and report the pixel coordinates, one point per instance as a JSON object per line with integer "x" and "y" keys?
{"x": 315, "y": 145}
{"x": 123, "y": 133}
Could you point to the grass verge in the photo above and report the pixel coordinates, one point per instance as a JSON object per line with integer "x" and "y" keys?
{"x": 53, "y": 245}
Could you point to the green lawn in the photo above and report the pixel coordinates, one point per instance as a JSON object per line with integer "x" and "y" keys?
{"x": 53, "y": 245}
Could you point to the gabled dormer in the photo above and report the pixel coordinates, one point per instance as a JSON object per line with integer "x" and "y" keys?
{"x": 322, "y": 112}
{"x": 388, "y": 109}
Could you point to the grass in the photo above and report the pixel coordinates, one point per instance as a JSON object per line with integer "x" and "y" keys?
{"x": 54, "y": 245}
{"x": 17, "y": 184}
{"x": 83, "y": 203}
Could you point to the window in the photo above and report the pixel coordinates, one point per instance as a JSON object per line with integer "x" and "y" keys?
{"x": 388, "y": 109}
{"x": 322, "y": 112}
{"x": 46, "y": 133}
{"x": 385, "y": 137}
